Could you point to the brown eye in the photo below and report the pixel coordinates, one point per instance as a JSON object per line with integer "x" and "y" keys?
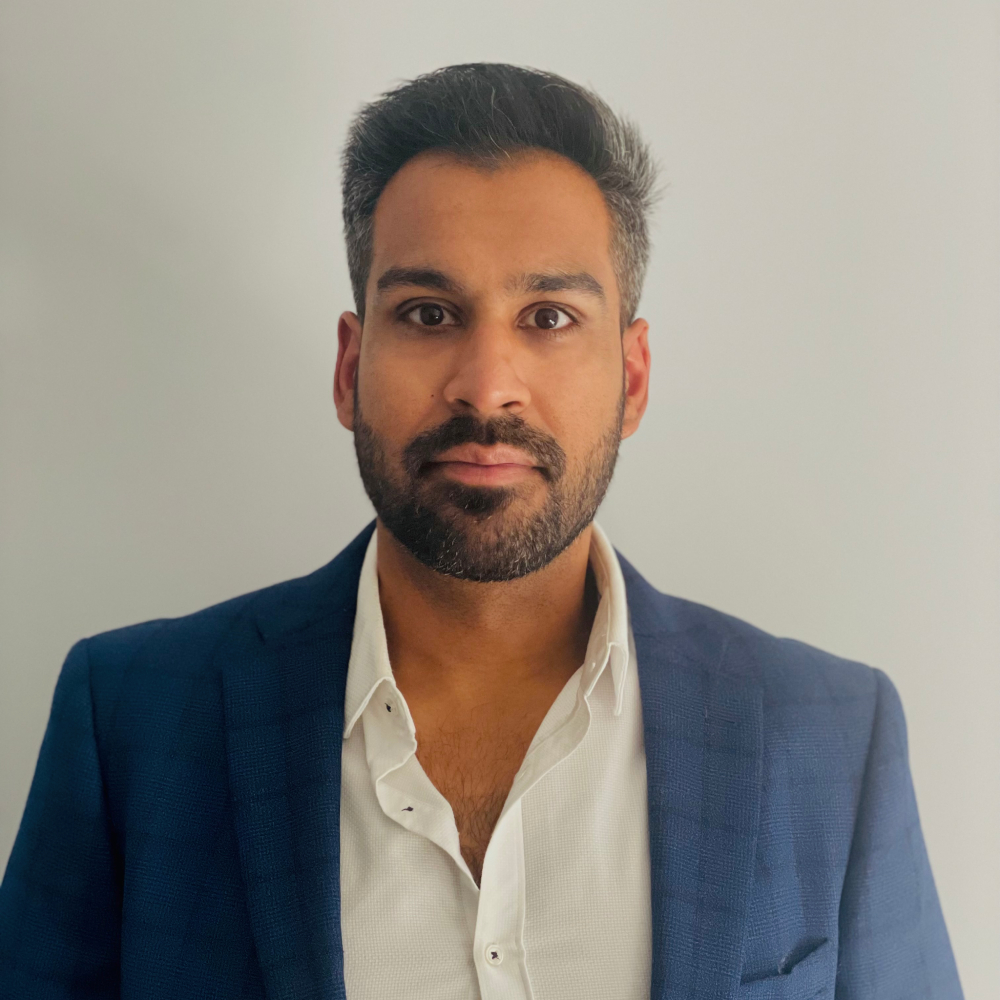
{"x": 550, "y": 318}
{"x": 430, "y": 315}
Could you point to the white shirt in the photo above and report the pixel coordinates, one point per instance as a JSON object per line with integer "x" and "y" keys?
{"x": 563, "y": 911}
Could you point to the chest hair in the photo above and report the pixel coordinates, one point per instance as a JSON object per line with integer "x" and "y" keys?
{"x": 474, "y": 770}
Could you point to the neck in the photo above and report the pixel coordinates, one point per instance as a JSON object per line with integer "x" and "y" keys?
{"x": 463, "y": 640}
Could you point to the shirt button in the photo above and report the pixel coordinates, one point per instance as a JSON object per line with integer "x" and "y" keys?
{"x": 494, "y": 955}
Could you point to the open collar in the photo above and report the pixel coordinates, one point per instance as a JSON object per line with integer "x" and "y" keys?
{"x": 607, "y": 648}
{"x": 284, "y": 686}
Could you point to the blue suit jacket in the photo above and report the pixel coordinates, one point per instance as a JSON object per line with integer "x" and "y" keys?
{"x": 181, "y": 837}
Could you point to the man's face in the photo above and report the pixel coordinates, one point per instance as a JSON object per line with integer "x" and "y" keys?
{"x": 490, "y": 384}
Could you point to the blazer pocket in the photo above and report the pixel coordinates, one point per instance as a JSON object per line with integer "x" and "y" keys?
{"x": 812, "y": 976}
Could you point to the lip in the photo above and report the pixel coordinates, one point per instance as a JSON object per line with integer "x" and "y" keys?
{"x": 475, "y": 465}
{"x": 474, "y": 454}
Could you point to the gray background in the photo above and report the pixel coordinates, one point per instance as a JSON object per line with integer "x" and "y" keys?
{"x": 820, "y": 455}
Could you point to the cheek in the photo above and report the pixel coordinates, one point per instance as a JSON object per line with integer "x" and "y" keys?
{"x": 580, "y": 401}
{"x": 392, "y": 395}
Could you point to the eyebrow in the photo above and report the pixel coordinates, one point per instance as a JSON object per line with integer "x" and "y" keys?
{"x": 559, "y": 281}
{"x": 421, "y": 277}
{"x": 529, "y": 282}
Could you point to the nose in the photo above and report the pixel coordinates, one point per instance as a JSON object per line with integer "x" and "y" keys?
{"x": 485, "y": 379}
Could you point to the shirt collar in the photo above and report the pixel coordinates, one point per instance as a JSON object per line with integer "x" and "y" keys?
{"x": 609, "y": 635}
{"x": 608, "y": 646}
{"x": 369, "y": 664}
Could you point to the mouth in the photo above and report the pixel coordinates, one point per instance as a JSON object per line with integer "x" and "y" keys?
{"x": 476, "y": 465}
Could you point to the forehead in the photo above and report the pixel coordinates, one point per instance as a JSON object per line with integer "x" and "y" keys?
{"x": 536, "y": 211}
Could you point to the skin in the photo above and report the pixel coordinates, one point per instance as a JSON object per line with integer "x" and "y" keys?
{"x": 481, "y": 663}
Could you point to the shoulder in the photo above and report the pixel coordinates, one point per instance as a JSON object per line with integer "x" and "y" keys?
{"x": 798, "y": 682}
{"x": 149, "y": 663}
{"x": 186, "y": 642}
{"x": 171, "y": 652}
{"x": 819, "y": 714}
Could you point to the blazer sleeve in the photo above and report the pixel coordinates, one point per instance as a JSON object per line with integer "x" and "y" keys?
{"x": 893, "y": 940}
{"x": 60, "y": 900}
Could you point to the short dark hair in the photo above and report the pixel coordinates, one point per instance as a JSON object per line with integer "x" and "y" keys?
{"x": 485, "y": 112}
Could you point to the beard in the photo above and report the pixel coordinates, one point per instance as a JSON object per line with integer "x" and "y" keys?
{"x": 482, "y": 533}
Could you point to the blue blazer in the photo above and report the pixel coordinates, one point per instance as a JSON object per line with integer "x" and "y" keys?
{"x": 181, "y": 837}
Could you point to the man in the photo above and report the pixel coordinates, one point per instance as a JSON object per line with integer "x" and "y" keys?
{"x": 476, "y": 754}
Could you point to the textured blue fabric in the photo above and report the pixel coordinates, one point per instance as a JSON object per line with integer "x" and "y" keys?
{"x": 181, "y": 837}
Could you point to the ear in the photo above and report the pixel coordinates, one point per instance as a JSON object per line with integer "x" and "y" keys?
{"x": 348, "y": 355}
{"x": 635, "y": 353}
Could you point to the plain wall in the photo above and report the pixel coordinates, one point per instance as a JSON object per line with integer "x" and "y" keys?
{"x": 821, "y": 454}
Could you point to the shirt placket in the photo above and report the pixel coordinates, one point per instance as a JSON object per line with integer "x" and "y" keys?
{"x": 499, "y": 939}
{"x": 500, "y": 956}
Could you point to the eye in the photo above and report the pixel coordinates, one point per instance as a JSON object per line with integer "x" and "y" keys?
{"x": 550, "y": 318}
{"x": 430, "y": 314}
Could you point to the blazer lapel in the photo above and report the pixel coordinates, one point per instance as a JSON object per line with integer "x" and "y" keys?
{"x": 284, "y": 689}
{"x": 702, "y": 720}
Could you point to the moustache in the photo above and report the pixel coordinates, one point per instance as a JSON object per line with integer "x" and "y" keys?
{"x": 466, "y": 429}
